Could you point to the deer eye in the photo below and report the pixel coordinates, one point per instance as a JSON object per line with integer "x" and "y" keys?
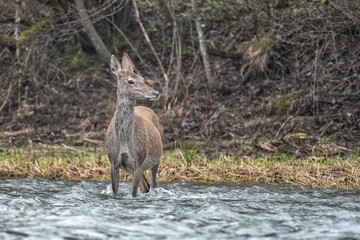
{"x": 131, "y": 82}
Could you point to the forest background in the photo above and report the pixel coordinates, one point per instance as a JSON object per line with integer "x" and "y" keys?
{"x": 282, "y": 77}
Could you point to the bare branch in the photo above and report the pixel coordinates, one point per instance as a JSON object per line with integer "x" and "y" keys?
{"x": 7, "y": 97}
{"x": 130, "y": 44}
{"x": 166, "y": 89}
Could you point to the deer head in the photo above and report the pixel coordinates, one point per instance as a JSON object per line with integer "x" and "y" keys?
{"x": 130, "y": 83}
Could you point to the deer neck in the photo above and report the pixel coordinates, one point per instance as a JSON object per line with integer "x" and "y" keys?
{"x": 124, "y": 117}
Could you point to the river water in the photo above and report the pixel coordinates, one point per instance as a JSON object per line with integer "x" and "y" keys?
{"x": 53, "y": 209}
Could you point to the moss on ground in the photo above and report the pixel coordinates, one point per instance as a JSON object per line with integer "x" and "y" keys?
{"x": 286, "y": 104}
{"x": 262, "y": 45}
{"x": 77, "y": 60}
{"x": 33, "y": 31}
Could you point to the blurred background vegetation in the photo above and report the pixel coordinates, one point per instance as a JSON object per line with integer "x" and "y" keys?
{"x": 285, "y": 72}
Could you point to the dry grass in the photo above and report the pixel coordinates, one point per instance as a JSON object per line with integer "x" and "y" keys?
{"x": 53, "y": 162}
{"x": 65, "y": 162}
{"x": 313, "y": 172}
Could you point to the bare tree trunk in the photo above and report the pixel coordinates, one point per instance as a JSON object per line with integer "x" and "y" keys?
{"x": 17, "y": 41}
{"x": 202, "y": 43}
{"x": 94, "y": 37}
{"x": 17, "y": 24}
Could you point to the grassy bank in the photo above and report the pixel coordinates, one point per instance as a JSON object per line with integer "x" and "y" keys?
{"x": 65, "y": 162}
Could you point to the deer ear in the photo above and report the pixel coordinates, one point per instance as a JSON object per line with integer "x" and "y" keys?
{"x": 127, "y": 64}
{"x": 115, "y": 65}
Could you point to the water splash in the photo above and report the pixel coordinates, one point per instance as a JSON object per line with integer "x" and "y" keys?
{"x": 160, "y": 192}
{"x": 108, "y": 191}
{"x": 124, "y": 191}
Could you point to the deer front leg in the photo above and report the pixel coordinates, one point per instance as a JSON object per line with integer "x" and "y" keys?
{"x": 154, "y": 170}
{"x": 136, "y": 180}
{"x": 115, "y": 165}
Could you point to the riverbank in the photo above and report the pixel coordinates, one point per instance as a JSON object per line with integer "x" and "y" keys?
{"x": 85, "y": 163}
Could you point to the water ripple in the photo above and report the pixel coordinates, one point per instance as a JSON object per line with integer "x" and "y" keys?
{"x": 44, "y": 209}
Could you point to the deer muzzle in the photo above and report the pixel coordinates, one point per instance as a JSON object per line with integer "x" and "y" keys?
{"x": 155, "y": 95}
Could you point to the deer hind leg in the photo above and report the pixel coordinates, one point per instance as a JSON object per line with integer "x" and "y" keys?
{"x": 144, "y": 184}
{"x": 154, "y": 170}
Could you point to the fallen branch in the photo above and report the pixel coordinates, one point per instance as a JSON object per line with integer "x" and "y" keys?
{"x": 74, "y": 149}
{"x": 97, "y": 142}
{"x": 223, "y": 54}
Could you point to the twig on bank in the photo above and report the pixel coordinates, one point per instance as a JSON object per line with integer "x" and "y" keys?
{"x": 97, "y": 142}
{"x": 283, "y": 125}
{"x": 74, "y": 149}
